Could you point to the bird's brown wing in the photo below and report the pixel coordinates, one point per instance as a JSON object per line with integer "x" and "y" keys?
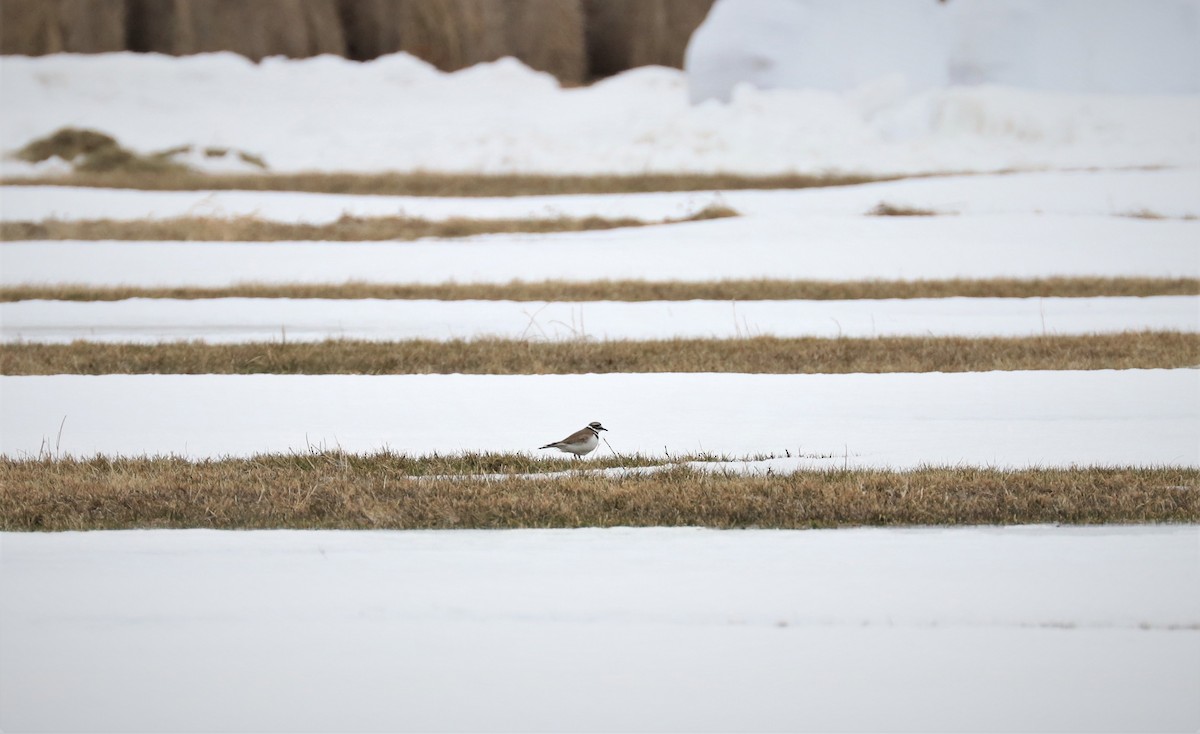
{"x": 578, "y": 436}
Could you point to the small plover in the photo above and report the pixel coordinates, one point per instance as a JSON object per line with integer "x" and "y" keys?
{"x": 581, "y": 442}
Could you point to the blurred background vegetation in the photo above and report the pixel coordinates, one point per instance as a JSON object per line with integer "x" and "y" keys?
{"x": 575, "y": 40}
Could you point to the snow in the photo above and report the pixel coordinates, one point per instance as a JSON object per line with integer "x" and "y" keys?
{"x": 1004, "y": 419}
{"x": 502, "y": 117}
{"x": 226, "y": 320}
{"x": 799, "y": 44}
{"x": 1015, "y": 629}
{"x": 802, "y": 248}
{"x": 669, "y": 629}
{"x": 1166, "y": 193}
{"x": 888, "y": 47}
{"x": 1026, "y": 225}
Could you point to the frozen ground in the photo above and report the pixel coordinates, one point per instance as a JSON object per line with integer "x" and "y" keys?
{"x": 504, "y": 117}
{"x": 1004, "y": 419}
{"x": 1014, "y": 629}
{"x": 224, "y": 320}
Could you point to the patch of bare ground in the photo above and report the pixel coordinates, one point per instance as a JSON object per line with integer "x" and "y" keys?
{"x": 334, "y": 490}
{"x": 422, "y": 183}
{"x": 345, "y": 229}
{"x": 638, "y": 290}
{"x": 1131, "y": 350}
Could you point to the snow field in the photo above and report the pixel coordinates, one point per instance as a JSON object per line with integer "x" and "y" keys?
{"x": 228, "y": 320}
{"x": 801, "y": 248}
{"x": 898, "y": 421}
{"x": 894, "y": 421}
{"x": 670, "y": 629}
{"x": 1173, "y": 193}
{"x": 1022, "y": 629}
{"x": 897, "y": 46}
{"x": 503, "y": 117}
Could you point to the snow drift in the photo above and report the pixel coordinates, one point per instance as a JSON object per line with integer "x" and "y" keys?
{"x": 892, "y": 46}
{"x": 503, "y": 117}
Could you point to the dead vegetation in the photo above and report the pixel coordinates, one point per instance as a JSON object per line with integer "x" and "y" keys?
{"x": 334, "y": 490}
{"x": 1152, "y": 215}
{"x": 35, "y": 27}
{"x": 884, "y": 209}
{"x": 574, "y": 40}
{"x": 624, "y": 34}
{"x": 424, "y": 183}
{"x": 345, "y": 229}
{"x": 636, "y": 290}
{"x": 1135, "y": 350}
{"x": 91, "y": 152}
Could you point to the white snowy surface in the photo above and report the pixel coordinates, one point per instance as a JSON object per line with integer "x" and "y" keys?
{"x": 810, "y": 44}
{"x": 1166, "y": 193}
{"x": 882, "y": 48}
{"x": 1005, "y": 419}
{"x": 398, "y": 113}
{"x": 804, "y": 248}
{"x": 224, "y": 320}
{"x": 1009, "y": 629}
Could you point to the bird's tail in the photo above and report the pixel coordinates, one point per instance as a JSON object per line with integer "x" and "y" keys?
{"x": 549, "y": 446}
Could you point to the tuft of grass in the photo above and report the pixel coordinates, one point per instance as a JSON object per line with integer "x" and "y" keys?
{"x": 67, "y": 143}
{"x": 347, "y": 491}
{"x": 1143, "y": 214}
{"x": 635, "y": 290}
{"x": 346, "y": 229}
{"x": 1154, "y": 216}
{"x": 1132, "y": 350}
{"x": 884, "y": 209}
{"x": 92, "y": 152}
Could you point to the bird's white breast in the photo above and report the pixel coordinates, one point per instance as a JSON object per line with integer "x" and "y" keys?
{"x": 585, "y": 446}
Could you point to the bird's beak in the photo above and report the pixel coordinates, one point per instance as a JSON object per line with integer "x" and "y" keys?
{"x": 602, "y": 428}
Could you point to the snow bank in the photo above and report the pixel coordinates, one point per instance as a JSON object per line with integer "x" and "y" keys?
{"x": 398, "y": 113}
{"x": 1026, "y": 629}
{"x": 885, "y": 47}
{"x": 1004, "y": 419}
{"x": 227, "y": 320}
{"x": 815, "y": 44}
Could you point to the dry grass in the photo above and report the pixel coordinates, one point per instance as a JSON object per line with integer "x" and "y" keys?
{"x": 421, "y": 183}
{"x": 94, "y": 153}
{"x": 345, "y": 229}
{"x": 1153, "y": 215}
{"x": 323, "y": 490}
{"x": 638, "y": 290}
{"x": 508, "y": 357}
{"x": 884, "y": 209}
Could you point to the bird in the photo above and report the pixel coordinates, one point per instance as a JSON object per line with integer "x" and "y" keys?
{"x": 581, "y": 442}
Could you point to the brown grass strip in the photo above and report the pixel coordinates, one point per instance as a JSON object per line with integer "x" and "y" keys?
{"x": 638, "y": 290}
{"x": 422, "y": 183}
{"x": 345, "y": 229}
{"x": 1131, "y": 350}
{"x": 377, "y": 492}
